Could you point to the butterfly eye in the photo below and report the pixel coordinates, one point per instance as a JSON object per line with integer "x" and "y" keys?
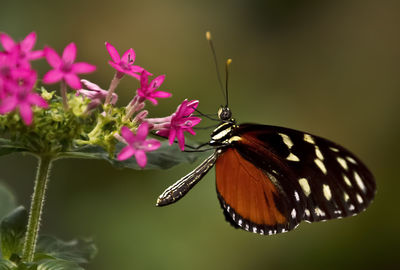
{"x": 224, "y": 113}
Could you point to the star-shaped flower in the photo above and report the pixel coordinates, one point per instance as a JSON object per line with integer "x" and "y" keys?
{"x": 137, "y": 144}
{"x": 179, "y": 122}
{"x": 147, "y": 90}
{"x": 22, "y": 96}
{"x": 22, "y": 50}
{"x": 124, "y": 64}
{"x": 64, "y": 67}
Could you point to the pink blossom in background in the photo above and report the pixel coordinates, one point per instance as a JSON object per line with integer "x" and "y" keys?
{"x": 147, "y": 90}
{"x": 21, "y": 95}
{"x": 21, "y": 50}
{"x": 95, "y": 94}
{"x": 182, "y": 120}
{"x": 64, "y": 67}
{"x": 124, "y": 64}
{"x": 137, "y": 144}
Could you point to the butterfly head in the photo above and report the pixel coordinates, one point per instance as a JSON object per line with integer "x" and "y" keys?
{"x": 225, "y": 114}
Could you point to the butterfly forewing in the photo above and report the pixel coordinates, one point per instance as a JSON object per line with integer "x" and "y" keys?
{"x": 314, "y": 179}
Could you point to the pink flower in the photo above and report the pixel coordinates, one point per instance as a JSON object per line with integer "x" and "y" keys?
{"x": 137, "y": 144}
{"x": 124, "y": 64}
{"x": 7, "y": 64}
{"x": 22, "y": 96}
{"x": 64, "y": 68}
{"x": 179, "y": 122}
{"x": 95, "y": 94}
{"x": 22, "y": 50}
{"x": 147, "y": 90}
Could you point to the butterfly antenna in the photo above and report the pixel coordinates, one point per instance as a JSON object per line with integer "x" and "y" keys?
{"x": 228, "y": 63}
{"x": 210, "y": 42}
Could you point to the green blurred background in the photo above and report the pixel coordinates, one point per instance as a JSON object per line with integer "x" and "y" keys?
{"x": 327, "y": 67}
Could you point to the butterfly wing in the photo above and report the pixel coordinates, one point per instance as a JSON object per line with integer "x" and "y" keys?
{"x": 271, "y": 178}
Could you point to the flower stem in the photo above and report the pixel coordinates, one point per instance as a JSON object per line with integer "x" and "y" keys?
{"x": 64, "y": 95}
{"x": 35, "y": 212}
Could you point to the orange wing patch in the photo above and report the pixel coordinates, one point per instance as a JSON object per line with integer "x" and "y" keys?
{"x": 247, "y": 190}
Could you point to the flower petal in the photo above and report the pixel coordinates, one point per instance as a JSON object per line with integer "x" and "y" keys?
{"x": 142, "y": 131}
{"x": 52, "y": 76}
{"x": 152, "y": 100}
{"x": 26, "y": 113}
{"x": 113, "y": 53}
{"x": 73, "y": 81}
{"x": 28, "y": 42}
{"x": 128, "y": 135}
{"x": 129, "y": 56}
{"x": 91, "y": 86}
{"x": 7, "y": 42}
{"x": 8, "y": 104}
{"x": 116, "y": 66}
{"x": 156, "y": 83}
{"x": 35, "y": 55}
{"x": 161, "y": 94}
{"x": 181, "y": 139}
{"x": 171, "y": 136}
{"x": 138, "y": 69}
{"x": 126, "y": 153}
{"x": 52, "y": 57}
{"x": 151, "y": 145}
{"x": 82, "y": 67}
{"x": 69, "y": 53}
{"x": 141, "y": 158}
{"x": 36, "y": 99}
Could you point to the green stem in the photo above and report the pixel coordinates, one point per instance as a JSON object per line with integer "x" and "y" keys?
{"x": 64, "y": 95}
{"x": 36, "y": 208}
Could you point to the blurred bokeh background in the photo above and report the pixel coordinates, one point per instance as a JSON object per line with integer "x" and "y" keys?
{"x": 327, "y": 67}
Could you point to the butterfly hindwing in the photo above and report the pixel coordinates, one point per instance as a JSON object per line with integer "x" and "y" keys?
{"x": 313, "y": 178}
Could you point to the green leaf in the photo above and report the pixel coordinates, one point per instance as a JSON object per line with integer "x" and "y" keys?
{"x": 8, "y": 147}
{"x": 77, "y": 251}
{"x": 12, "y": 228}
{"x": 56, "y": 264}
{"x": 163, "y": 158}
{"x": 7, "y": 200}
{"x": 7, "y": 265}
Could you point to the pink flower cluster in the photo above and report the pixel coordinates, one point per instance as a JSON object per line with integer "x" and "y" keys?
{"x": 17, "y": 81}
{"x": 170, "y": 127}
{"x": 17, "y": 78}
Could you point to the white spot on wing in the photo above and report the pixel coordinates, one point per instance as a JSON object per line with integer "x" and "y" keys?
{"x": 351, "y": 207}
{"x": 359, "y": 199}
{"x": 320, "y": 165}
{"x": 293, "y": 213}
{"x": 319, "y": 212}
{"x": 347, "y": 180}
{"x": 308, "y": 138}
{"x": 327, "y": 192}
{"x": 305, "y": 186}
{"x": 350, "y": 159}
{"x": 293, "y": 157}
{"x": 342, "y": 163}
{"x": 286, "y": 140}
{"x": 334, "y": 149}
{"x": 307, "y": 212}
{"x": 254, "y": 230}
{"x": 359, "y": 182}
{"x": 346, "y": 196}
{"x": 296, "y": 195}
{"x": 318, "y": 153}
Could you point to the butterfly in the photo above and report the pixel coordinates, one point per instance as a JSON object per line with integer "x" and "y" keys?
{"x": 270, "y": 178}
